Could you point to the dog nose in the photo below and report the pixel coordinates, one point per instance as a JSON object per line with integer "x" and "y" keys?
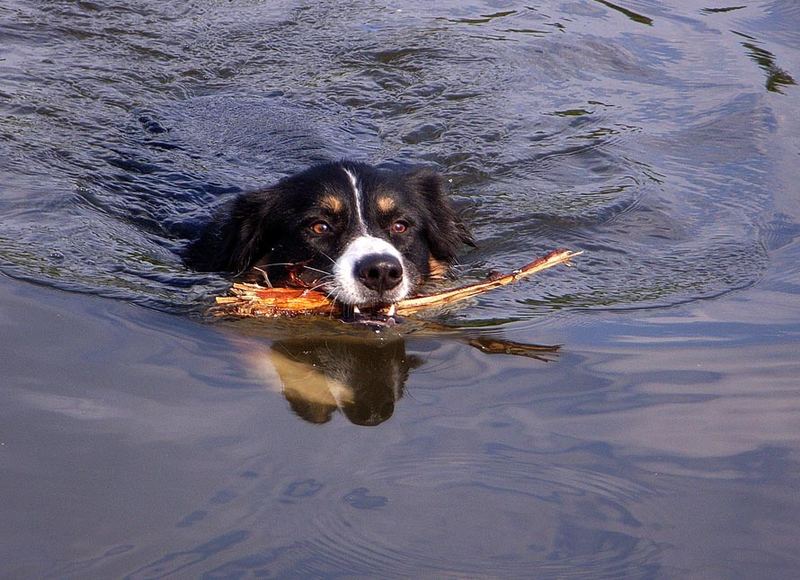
{"x": 380, "y": 272}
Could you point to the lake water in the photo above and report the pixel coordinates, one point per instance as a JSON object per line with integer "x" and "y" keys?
{"x": 635, "y": 416}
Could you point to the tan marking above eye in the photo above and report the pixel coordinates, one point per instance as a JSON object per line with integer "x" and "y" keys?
{"x": 386, "y": 204}
{"x": 331, "y": 203}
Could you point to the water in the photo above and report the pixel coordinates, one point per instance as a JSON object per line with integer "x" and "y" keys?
{"x": 643, "y": 421}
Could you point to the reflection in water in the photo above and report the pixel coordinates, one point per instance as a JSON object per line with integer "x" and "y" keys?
{"x": 544, "y": 353}
{"x": 629, "y": 13}
{"x": 721, "y": 10}
{"x": 360, "y": 375}
{"x": 776, "y": 76}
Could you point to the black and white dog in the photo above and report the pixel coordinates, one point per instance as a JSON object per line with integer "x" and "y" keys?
{"x": 365, "y": 236}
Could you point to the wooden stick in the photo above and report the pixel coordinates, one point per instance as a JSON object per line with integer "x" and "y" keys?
{"x": 411, "y": 305}
{"x": 255, "y": 300}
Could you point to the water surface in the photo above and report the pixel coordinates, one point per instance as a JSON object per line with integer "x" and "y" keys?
{"x": 634, "y": 416}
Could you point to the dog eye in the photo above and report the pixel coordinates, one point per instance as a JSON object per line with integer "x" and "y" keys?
{"x": 320, "y": 227}
{"x": 399, "y": 227}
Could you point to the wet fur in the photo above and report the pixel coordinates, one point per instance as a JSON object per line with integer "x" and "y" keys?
{"x": 271, "y": 225}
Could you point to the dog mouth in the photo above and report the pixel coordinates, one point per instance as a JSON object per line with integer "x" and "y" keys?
{"x": 372, "y": 316}
{"x": 371, "y": 297}
{"x": 388, "y": 311}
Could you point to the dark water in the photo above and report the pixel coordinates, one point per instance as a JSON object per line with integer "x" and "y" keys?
{"x": 642, "y": 418}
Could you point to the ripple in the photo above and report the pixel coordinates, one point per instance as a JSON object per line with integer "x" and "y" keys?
{"x": 364, "y": 544}
{"x": 579, "y": 139}
{"x": 508, "y": 469}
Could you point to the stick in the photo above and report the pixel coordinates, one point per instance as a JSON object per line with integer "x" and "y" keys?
{"x": 255, "y": 300}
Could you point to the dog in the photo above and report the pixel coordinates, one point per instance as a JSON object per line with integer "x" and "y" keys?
{"x": 366, "y": 236}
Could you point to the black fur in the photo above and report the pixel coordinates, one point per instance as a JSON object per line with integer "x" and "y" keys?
{"x": 274, "y": 225}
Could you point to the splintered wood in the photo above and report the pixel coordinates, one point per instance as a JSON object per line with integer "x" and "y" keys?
{"x": 248, "y": 300}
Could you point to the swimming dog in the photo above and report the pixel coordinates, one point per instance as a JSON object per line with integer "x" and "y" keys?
{"x": 364, "y": 235}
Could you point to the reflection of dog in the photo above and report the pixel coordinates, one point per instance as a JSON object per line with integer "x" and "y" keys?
{"x": 360, "y": 376}
{"x": 322, "y": 367}
{"x": 367, "y": 236}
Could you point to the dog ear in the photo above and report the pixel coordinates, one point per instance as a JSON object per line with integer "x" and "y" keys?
{"x": 237, "y": 238}
{"x": 446, "y": 232}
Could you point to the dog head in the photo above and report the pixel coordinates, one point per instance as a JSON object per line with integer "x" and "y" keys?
{"x": 366, "y": 236}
